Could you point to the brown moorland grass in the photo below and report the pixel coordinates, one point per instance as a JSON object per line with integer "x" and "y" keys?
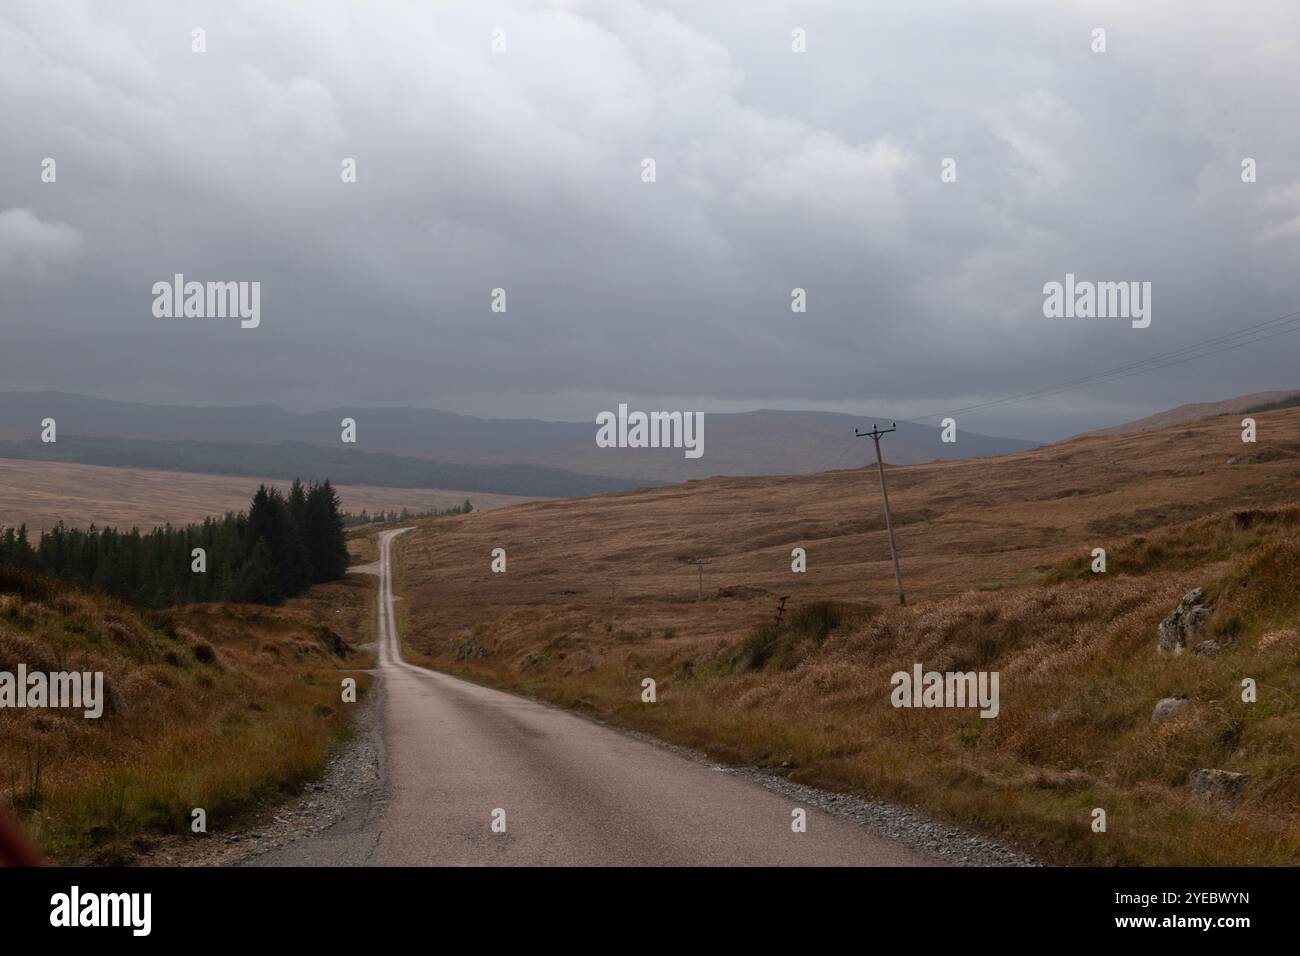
{"x": 42, "y": 493}
{"x": 996, "y": 553}
{"x": 218, "y": 707}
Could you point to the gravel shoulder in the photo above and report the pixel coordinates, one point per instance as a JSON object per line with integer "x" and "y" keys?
{"x": 349, "y": 796}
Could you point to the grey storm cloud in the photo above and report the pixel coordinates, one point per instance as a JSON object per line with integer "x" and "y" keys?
{"x": 522, "y": 170}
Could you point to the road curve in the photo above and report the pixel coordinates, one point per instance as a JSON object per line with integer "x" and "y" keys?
{"x": 570, "y": 791}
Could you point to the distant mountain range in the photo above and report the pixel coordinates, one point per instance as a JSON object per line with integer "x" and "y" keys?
{"x": 218, "y": 440}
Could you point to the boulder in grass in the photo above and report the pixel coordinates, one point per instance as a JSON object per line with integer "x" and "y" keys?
{"x": 1170, "y": 707}
{"x": 1217, "y": 786}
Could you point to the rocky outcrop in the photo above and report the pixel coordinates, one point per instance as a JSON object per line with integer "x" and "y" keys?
{"x": 1183, "y": 624}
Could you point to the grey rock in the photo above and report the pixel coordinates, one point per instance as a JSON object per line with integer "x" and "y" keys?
{"x": 1169, "y": 639}
{"x": 1217, "y": 786}
{"x": 1207, "y": 649}
{"x": 1184, "y": 623}
{"x": 1170, "y": 707}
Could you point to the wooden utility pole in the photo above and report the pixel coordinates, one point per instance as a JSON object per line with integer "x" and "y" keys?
{"x": 700, "y": 563}
{"x": 875, "y": 435}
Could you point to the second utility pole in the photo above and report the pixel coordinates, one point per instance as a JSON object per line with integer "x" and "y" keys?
{"x": 701, "y": 562}
{"x": 875, "y": 435}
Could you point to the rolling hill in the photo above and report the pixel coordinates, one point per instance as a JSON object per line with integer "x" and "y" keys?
{"x": 289, "y": 460}
{"x": 601, "y": 594}
{"x": 1258, "y": 401}
{"x": 749, "y": 443}
{"x": 40, "y": 494}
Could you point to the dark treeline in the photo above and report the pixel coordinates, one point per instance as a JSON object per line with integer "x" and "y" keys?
{"x": 351, "y": 520}
{"x": 280, "y": 548}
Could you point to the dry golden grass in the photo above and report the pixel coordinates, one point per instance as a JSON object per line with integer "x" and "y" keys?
{"x": 211, "y": 706}
{"x": 995, "y": 555}
{"x": 41, "y": 494}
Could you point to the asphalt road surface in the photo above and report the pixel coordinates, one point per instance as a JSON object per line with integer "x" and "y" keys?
{"x": 459, "y": 757}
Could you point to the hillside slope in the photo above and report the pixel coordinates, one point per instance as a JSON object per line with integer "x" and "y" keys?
{"x": 1184, "y": 414}
{"x": 599, "y": 594}
{"x": 219, "y": 707}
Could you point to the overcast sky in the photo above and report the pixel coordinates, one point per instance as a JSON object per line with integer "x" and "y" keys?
{"x": 523, "y": 170}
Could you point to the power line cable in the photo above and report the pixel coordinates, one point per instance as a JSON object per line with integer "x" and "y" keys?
{"x": 1160, "y": 360}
